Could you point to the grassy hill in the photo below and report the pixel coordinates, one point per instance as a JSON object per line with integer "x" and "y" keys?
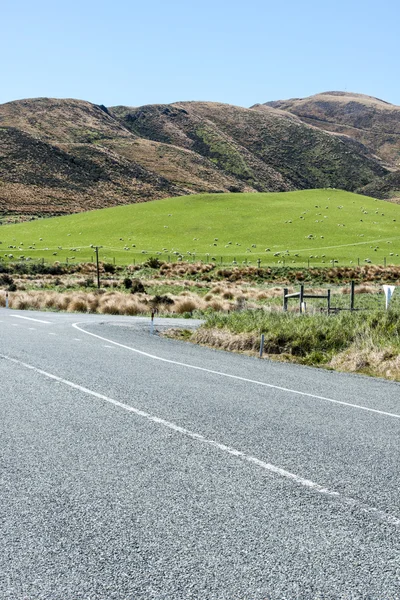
{"x": 66, "y": 156}
{"x": 278, "y": 228}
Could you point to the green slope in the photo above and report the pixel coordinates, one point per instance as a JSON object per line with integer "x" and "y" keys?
{"x": 315, "y": 225}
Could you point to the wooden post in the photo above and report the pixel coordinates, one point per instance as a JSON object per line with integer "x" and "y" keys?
{"x": 262, "y": 345}
{"x": 301, "y": 297}
{"x": 258, "y": 262}
{"x": 285, "y": 300}
{"x": 352, "y": 285}
{"x": 329, "y": 300}
{"x": 384, "y": 261}
{"x": 97, "y": 267}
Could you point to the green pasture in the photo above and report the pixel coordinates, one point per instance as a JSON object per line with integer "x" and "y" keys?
{"x": 293, "y": 228}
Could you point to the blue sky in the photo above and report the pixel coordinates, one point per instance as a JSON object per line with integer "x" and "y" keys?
{"x": 138, "y": 52}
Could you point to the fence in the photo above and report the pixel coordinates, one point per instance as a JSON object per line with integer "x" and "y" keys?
{"x": 226, "y": 261}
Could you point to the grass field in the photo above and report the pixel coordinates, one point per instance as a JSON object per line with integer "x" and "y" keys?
{"x": 293, "y": 228}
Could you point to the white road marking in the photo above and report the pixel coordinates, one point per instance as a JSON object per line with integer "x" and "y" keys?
{"x": 307, "y": 483}
{"x": 14, "y": 324}
{"x": 52, "y": 334}
{"x": 77, "y": 339}
{"x": 30, "y": 319}
{"x": 254, "y": 381}
{"x": 105, "y": 346}
{"x": 32, "y": 328}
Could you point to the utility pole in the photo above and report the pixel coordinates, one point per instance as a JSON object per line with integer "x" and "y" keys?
{"x": 97, "y": 267}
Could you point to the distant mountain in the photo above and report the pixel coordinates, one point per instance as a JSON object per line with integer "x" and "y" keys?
{"x": 63, "y": 156}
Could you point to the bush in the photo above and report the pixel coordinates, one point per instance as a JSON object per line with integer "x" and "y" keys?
{"x": 137, "y": 287}
{"x": 127, "y": 283}
{"x": 6, "y": 279}
{"x": 109, "y": 268}
{"x": 165, "y": 300}
{"x": 153, "y": 263}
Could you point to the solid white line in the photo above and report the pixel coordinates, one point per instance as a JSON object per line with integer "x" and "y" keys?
{"x": 30, "y": 319}
{"x": 254, "y": 381}
{"x": 307, "y": 483}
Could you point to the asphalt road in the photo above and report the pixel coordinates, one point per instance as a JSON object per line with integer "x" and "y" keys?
{"x": 133, "y": 467}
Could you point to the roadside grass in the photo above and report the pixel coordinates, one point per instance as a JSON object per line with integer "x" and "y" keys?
{"x": 287, "y": 228}
{"x": 367, "y": 342}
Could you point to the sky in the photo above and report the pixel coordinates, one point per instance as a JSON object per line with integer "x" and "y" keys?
{"x": 238, "y": 52}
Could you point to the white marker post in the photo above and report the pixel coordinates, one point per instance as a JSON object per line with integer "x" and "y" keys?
{"x": 152, "y": 322}
{"x": 6, "y": 299}
{"x": 388, "y": 290}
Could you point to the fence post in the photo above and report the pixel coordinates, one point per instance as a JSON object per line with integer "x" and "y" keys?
{"x": 97, "y": 267}
{"x": 301, "y": 297}
{"x": 329, "y": 301}
{"x": 352, "y": 285}
{"x": 262, "y": 345}
{"x": 285, "y": 300}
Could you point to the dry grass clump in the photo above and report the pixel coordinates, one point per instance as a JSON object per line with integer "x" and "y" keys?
{"x": 179, "y": 268}
{"x": 187, "y": 305}
{"x": 225, "y": 340}
{"x": 361, "y": 289}
{"x": 369, "y": 360}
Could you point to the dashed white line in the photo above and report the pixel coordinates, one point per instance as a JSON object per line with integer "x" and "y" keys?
{"x": 32, "y": 328}
{"x": 105, "y": 346}
{"x": 297, "y": 479}
{"x": 30, "y": 319}
{"x": 52, "y": 333}
{"x": 253, "y": 381}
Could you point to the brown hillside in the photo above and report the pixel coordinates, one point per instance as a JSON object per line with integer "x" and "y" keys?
{"x": 373, "y": 122}
{"x": 265, "y": 149}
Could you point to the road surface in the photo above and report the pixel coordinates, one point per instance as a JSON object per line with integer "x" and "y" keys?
{"x": 133, "y": 467}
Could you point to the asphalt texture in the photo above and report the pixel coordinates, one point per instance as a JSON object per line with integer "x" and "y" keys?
{"x": 133, "y": 467}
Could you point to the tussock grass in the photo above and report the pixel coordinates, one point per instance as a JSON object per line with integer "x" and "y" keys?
{"x": 359, "y": 342}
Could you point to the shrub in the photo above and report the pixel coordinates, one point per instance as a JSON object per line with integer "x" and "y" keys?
{"x": 6, "y": 279}
{"x": 165, "y": 300}
{"x": 108, "y": 268}
{"x": 153, "y": 263}
{"x": 137, "y": 287}
{"x": 127, "y": 283}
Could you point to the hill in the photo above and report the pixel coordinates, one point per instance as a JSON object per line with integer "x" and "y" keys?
{"x": 371, "y": 121}
{"x": 289, "y": 228}
{"x": 64, "y": 156}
